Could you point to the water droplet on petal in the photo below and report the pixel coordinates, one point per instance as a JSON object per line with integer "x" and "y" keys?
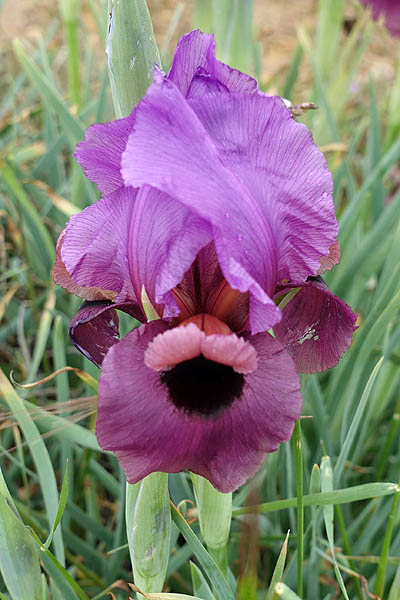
{"x": 239, "y": 237}
{"x": 226, "y": 215}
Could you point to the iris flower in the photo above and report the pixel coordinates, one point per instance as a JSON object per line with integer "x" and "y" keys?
{"x": 216, "y": 205}
{"x": 390, "y": 10}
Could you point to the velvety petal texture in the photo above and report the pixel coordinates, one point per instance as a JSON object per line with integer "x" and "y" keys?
{"x": 94, "y": 328}
{"x": 140, "y": 424}
{"x": 316, "y": 327}
{"x": 390, "y": 10}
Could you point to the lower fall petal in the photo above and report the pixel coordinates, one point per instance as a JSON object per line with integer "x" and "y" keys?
{"x": 316, "y": 327}
{"x": 138, "y": 421}
{"x": 94, "y": 328}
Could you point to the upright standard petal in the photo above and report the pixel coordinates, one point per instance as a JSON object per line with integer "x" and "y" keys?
{"x": 316, "y": 327}
{"x": 171, "y": 150}
{"x": 276, "y": 159}
{"x": 100, "y": 152}
{"x": 140, "y": 423}
{"x": 195, "y": 69}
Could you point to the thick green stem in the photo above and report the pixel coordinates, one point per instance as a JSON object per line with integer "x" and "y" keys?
{"x": 215, "y": 514}
{"x": 148, "y": 527}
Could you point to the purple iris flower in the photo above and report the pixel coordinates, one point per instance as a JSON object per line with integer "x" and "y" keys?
{"x": 390, "y": 10}
{"x": 218, "y": 204}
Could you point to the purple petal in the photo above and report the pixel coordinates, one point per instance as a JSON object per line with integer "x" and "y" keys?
{"x": 277, "y": 160}
{"x": 100, "y": 152}
{"x": 316, "y": 327}
{"x": 171, "y": 150}
{"x": 95, "y": 246}
{"x": 164, "y": 240}
{"x": 195, "y": 69}
{"x": 94, "y": 328}
{"x": 63, "y": 278}
{"x": 134, "y": 238}
{"x": 138, "y": 421}
{"x": 390, "y": 9}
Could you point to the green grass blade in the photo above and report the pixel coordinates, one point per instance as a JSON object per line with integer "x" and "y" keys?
{"x": 298, "y": 453}
{"x": 327, "y": 486}
{"x": 19, "y": 558}
{"x": 207, "y": 563}
{"x": 199, "y": 582}
{"x": 61, "y": 508}
{"x": 341, "y": 496}
{"x": 383, "y": 562}
{"x": 278, "y": 570}
{"x": 344, "y": 453}
{"x": 74, "y": 129}
{"x": 40, "y": 457}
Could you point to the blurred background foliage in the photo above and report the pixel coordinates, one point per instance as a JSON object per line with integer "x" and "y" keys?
{"x": 53, "y": 84}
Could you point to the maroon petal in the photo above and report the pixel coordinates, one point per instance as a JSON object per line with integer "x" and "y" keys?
{"x": 138, "y": 421}
{"x": 316, "y": 327}
{"x": 94, "y": 328}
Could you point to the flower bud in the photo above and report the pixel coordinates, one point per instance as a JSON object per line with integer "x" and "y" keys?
{"x": 215, "y": 514}
{"x": 148, "y": 527}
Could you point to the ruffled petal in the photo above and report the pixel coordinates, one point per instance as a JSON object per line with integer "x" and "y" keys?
{"x": 316, "y": 327}
{"x": 94, "y": 328}
{"x": 100, "y": 152}
{"x": 134, "y": 238}
{"x": 195, "y": 69}
{"x": 139, "y": 423}
{"x": 95, "y": 246}
{"x": 275, "y": 157}
{"x": 333, "y": 258}
{"x": 63, "y": 278}
{"x": 171, "y": 150}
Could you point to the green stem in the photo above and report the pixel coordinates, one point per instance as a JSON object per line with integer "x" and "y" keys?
{"x": 389, "y": 443}
{"x": 383, "y": 561}
{"x": 220, "y": 556}
{"x": 300, "y": 507}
